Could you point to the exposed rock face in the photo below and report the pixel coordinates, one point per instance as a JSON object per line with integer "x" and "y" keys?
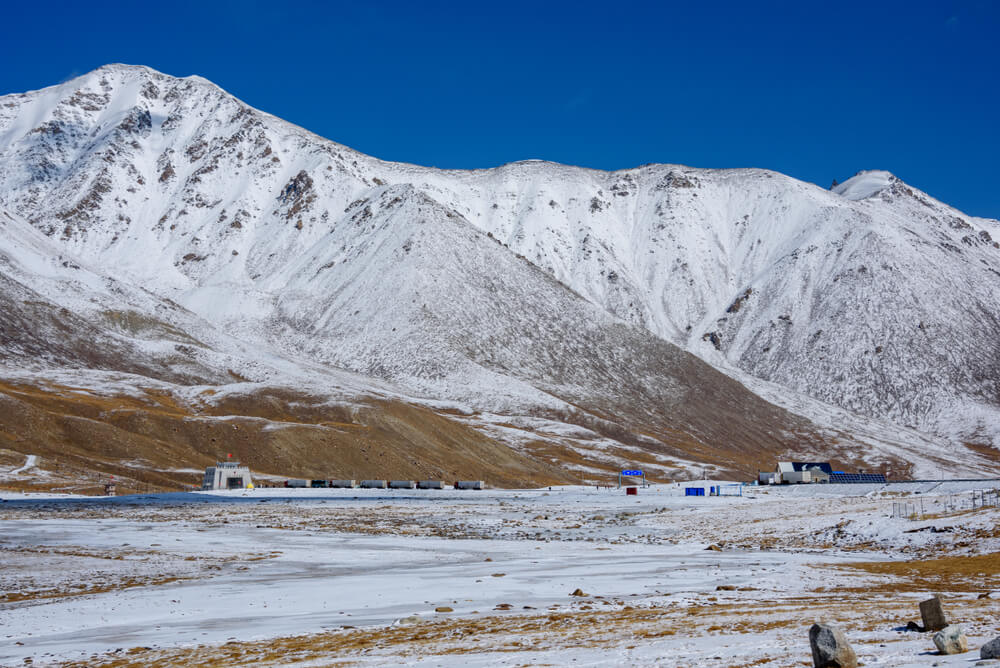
{"x": 951, "y": 640}
{"x": 830, "y": 648}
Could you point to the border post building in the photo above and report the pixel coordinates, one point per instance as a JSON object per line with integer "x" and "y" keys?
{"x": 227, "y": 475}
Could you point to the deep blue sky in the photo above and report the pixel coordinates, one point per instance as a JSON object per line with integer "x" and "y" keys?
{"x": 814, "y": 90}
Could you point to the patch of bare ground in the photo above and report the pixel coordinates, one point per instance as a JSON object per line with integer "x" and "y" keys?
{"x": 960, "y": 573}
{"x": 142, "y": 440}
{"x": 623, "y": 626}
{"x": 42, "y": 573}
{"x": 85, "y": 589}
{"x": 499, "y": 633}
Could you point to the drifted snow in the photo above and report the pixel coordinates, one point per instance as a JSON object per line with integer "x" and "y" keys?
{"x": 864, "y": 184}
{"x": 29, "y": 463}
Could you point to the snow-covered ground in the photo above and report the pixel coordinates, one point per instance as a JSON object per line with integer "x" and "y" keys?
{"x": 306, "y": 577}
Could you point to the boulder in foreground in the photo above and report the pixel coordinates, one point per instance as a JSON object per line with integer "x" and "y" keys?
{"x": 933, "y": 615}
{"x": 990, "y": 650}
{"x": 830, "y": 648}
{"x": 951, "y": 640}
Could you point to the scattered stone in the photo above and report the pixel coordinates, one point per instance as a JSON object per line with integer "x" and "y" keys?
{"x": 714, "y": 548}
{"x": 913, "y": 626}
{"x": 443, "y": 608}
{"x": 985, "y": 594}
{"x": 504, "y": 606}
{"x": 932, "y": 614}
{"x": 488, "y": 559}
{"x": 578, "y": 592}
{"x": 990, "y": 650}
{"x": 499, "y": 575}
{"x": 412, "y": 619}
{"x": 726, "y": 588}
{"x": 830, "y": 648}
{"x": 951, "y": 640}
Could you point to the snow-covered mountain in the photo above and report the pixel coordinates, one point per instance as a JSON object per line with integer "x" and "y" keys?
{"x": 160, "y": 228}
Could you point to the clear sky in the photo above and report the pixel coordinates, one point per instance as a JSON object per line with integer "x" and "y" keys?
{"x": 815, "y": 90}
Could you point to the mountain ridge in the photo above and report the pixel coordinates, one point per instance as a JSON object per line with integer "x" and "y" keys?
{"x": 249, "y": 224}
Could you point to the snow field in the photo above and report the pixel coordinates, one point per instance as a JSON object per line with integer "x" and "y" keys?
{"x": 185, "y": 570}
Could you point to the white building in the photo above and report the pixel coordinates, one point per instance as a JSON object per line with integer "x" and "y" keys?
{"x": 793, "y": 473}
{"x": 227, "y": 475}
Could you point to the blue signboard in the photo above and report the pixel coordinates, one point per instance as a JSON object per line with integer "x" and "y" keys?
{"x": 632, "y": 474}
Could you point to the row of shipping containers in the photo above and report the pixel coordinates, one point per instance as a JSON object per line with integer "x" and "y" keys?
{"x": 383, "y": 484}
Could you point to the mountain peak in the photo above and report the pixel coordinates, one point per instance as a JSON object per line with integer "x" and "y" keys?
{"x": 143, "y": 71}
{"x": 864, "y": 184}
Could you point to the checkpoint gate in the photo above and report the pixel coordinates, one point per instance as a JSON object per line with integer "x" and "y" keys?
{"x": 631, "y": 473}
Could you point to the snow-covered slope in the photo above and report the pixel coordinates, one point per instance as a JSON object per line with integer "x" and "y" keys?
{"x": 837, "y": 295}
{"x": 534, "y": 287}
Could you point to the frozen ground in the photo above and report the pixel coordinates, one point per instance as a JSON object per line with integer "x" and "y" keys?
{"x": 322, "y": 577}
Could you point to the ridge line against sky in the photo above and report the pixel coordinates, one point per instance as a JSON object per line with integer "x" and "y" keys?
{"x": 817, "y": 92}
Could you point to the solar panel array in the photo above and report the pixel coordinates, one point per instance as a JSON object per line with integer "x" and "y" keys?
{"x": 857, "y": 477}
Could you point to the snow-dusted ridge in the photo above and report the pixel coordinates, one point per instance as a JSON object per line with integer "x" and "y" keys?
{"x": 276, "y": 249}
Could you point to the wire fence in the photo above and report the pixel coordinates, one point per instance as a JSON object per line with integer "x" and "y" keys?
{"x": 953, "y": 503}
{"x": 908, "y": 510}
{"x": 982, "y": 498}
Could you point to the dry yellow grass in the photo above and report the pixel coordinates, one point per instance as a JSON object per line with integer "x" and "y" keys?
{"x": 516, "y": 632}
{"x": 85, "y": 437}
{"x": 963, "y": 573}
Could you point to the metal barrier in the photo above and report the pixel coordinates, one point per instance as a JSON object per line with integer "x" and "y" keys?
{"x": 907, "y": 510}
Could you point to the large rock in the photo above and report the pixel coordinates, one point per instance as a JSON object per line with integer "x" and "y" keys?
{"x": 951, "y": 640}
{"x": 933, "y": 615}
{"x": 830, "y": 648}
{"x": 990, "y": 650}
